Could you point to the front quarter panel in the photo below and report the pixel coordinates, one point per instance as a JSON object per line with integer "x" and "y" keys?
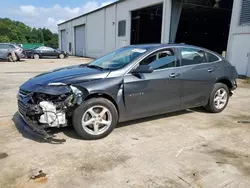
{"x": 112, "y": 87}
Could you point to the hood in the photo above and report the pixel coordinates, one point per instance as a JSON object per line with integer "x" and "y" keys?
{"x": 67, "y": 75}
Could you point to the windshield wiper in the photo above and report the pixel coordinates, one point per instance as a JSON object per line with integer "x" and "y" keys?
{"x": 95, "y": 67}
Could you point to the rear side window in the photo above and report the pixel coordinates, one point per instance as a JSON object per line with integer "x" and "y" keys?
{"x": 161, "y": 60}
{"x": 212, "y": 57}
{"x": 191, "y": 56}
{"x": 11, "y": 46}
{"x": 4, "y": 46}
{"x": 41, "y": 48}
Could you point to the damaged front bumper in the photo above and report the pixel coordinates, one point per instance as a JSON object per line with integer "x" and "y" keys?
{"x": 34, "y": 127}
{"x": 39, "y": 131}
{"x": 41, "y": 111}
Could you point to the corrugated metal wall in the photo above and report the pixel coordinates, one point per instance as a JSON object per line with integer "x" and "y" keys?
{"x": 101, "y": 27}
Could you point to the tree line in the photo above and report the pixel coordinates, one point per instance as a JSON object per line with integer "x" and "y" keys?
{"x": 17, "y": 32}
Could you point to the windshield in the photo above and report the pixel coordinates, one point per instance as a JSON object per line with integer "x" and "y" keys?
{"x": 118, "y": 58}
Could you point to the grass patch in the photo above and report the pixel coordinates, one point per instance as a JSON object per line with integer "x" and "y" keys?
{"x": 248, "y": 80}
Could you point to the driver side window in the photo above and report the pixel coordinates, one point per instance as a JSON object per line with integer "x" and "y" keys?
{"x": 160, "y": 60}
{"x": 49, "y": 49}
{"x": 41, "y": 48}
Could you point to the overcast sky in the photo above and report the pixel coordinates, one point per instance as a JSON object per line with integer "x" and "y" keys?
{"x": 47, "y": 13}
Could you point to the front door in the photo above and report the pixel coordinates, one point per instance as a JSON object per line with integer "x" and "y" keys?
{"x": 156, "y": 92}
{"x": 198, "y": 75}
{"x": 50, "y": 52}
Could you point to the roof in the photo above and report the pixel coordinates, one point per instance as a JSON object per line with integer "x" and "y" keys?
{"x": 170, "y": 45}
{"x": 145, "y": 46}
{"x": 162, "y": 45}
{"x": 103, "y": 7}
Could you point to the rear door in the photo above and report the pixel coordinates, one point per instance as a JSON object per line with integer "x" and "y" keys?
{"x": 198, "y": 75}
{"x": 156, "y": 92}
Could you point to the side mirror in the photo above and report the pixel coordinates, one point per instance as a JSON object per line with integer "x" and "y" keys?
{"x": 143, "y": 69}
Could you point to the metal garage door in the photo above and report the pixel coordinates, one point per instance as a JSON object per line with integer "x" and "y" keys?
{"x": 63, "y": 40}
{"x": 79, "y": 40}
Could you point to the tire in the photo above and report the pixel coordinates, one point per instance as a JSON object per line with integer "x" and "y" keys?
{"x": 36, "y": 56}
{"x": 61, "y": 56}
{"x": 84, "y": 114}
{"x": 216, "y": 102}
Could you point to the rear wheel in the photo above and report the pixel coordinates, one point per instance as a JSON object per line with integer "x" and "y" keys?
{"x": 218, "y": 99}
{"x": 36, "y": 56}
{"x": 95, "y": 119}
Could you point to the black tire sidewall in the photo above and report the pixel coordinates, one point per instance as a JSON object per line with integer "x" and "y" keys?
{"x": 79, "y": 112}
{"x": 211, "y": 107}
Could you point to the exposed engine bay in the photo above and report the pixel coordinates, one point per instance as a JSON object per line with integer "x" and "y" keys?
{"x": 50, "y": 110}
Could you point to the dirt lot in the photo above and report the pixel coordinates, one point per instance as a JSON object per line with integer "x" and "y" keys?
{"x": 190, "y": 148}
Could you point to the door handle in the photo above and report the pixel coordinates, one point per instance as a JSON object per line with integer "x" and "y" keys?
{"x": 210, "y": 70}
{"x": 174, "y": 75}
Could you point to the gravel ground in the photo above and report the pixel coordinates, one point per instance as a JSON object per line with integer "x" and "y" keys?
{"x": 190, "y": 148}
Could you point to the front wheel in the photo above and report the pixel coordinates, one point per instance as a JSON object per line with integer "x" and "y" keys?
{"x": 36, "y": 56}
{"x": 218, "y": 99}
{"x": 61, "y": 56}
{"x": 95, "y": 118}
{"x": 10, "y": 58}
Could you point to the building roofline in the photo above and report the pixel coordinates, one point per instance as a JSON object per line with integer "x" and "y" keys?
{"x": 100, "y": 8}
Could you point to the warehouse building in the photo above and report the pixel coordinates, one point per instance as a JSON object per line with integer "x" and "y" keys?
{"x": 219, "y": 25}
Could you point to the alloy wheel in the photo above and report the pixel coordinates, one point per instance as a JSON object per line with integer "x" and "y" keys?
{"x": 220, "y": 98}
{"x": 96, "y": 120}
{"x": 36, "y": 56}
{"x": 61, "y": 56}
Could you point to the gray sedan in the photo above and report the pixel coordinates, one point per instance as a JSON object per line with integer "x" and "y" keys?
{"x": 129, "y": 83}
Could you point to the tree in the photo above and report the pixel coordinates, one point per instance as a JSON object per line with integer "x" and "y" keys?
{"x": 40, "y": 35}
{"x": 17, "y": 32}
{"x": 53, "y": 42}
{"x": 4, "y": 38}
{"x": 47, "y": 34}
